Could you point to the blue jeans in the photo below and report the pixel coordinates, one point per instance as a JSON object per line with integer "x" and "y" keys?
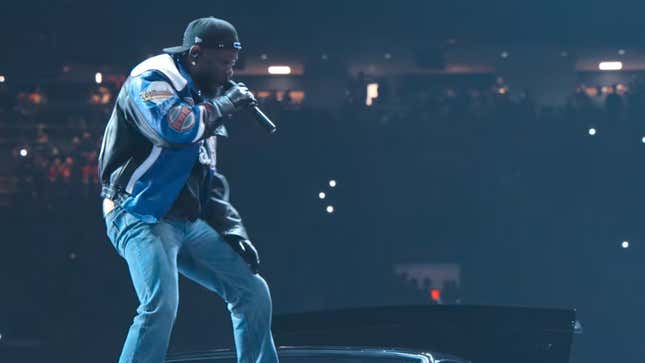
{"x": 155, "y": 253}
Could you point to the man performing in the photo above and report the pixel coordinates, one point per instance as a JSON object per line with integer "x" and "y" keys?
{"x": 166, "y": 207}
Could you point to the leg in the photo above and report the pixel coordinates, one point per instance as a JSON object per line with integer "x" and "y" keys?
{"x": 208, "y": 260}
{"x": 151, "y": 254}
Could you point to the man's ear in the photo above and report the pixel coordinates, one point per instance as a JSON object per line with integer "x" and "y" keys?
{"x": 195, "y": 51}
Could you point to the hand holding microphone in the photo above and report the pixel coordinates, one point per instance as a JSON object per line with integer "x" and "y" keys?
{"x": 236, "y": 97}
{"x": 241, "y": 97}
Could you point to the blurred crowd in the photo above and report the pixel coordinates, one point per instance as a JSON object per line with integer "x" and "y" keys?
{"x": 57, "y": 170}
{"x": 54, "y": 152}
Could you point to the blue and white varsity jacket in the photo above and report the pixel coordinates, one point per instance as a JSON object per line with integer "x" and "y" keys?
{"x": 159, "y": 128}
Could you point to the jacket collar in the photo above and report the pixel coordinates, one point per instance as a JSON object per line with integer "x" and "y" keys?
{"x": 166, "y": 65}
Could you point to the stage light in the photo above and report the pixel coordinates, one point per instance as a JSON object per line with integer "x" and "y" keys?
{"x": 435, "y": 294}
{"x": 625, "y": 244}
{"x": 98, "y": 78}
{"x": 264, "y": 57}
{"x": 372, "y": 93}
{"x": 643, "y": 139}
{"x": 332, "y": 183}
{"x": 592, "y": 131}
{"x": 2, "y": 78}
{"x": 324, "y": 56}
{"x": 24, "y": 153}
{"x": 330, "y": 209}
{"x": 621, "y": 52}
{"x": 279, "y": 70}
{"x": 504, "y": 55}
{"x": 322, "y": 195}
{"x": 388, "y": 56}
{"x": 610, "y": 66}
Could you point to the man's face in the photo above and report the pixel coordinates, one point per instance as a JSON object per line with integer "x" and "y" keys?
{"x": 217, "y": 64}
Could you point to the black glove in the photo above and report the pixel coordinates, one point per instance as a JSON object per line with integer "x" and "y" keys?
{"x": 245, "y": 248}
{"x": 235, "y": 98}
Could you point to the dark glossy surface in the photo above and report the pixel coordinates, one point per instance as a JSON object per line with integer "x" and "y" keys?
{"x": 479, "y": 333}
{"x": 317, "y": 354}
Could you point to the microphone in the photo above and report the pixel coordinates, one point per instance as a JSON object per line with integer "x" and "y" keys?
{"x": 261, "y": 117}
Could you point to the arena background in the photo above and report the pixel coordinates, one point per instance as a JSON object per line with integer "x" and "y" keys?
{"x": 481, "y": 153}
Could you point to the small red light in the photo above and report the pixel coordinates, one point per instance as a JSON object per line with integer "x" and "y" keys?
{"x": 435, "y": 294}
